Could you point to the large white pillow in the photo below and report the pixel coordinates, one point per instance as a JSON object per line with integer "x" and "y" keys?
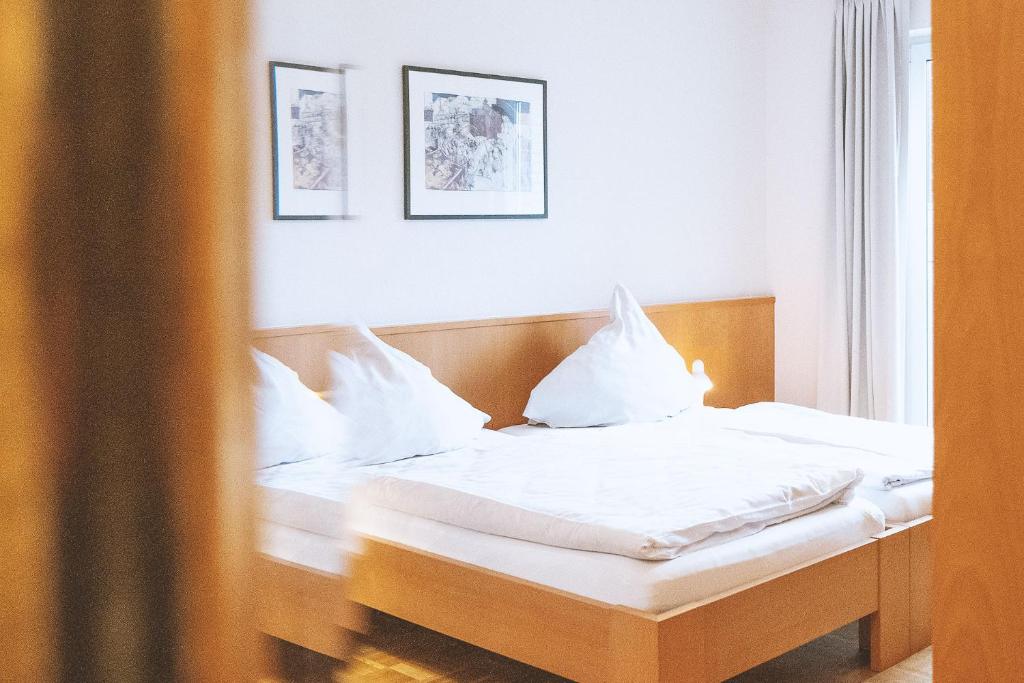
{"x": 627, "y": 372}
{"x": 292, "y": 422}
{"x": 397, "y": 408}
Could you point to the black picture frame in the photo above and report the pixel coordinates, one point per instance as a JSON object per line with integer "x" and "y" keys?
{"x": 410, "y": 214}
{"x": 275, "y": 140}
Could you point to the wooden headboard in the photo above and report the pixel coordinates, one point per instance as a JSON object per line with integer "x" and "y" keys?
{"x": 495, "y": 363}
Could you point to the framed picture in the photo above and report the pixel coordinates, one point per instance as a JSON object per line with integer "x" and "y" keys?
{"x": 310, "y": 150}
{"x": 475, "y": 145}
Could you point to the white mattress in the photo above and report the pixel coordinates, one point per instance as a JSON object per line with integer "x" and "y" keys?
{"x": 323, "y": 553}
{"x": 902, "y": 504}
{"x": 650, "y": 586}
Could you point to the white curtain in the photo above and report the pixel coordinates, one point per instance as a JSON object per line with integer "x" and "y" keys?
{"x": 861, "y": 364}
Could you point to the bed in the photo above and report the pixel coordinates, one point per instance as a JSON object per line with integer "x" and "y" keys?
{"x": 296, "y": 529}
{"x": 630, "y": 629}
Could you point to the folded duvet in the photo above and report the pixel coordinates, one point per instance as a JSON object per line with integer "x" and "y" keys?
{"x": 890, "y": 454}
{"x": 648, "y": 501}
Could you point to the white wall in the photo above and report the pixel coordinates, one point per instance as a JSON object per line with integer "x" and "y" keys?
{"x": 800, "y": 185}
{"x": 690, "y": 157}
{"x": 657, "y": 159}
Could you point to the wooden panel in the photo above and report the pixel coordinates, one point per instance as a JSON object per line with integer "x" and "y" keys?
{"x": 304, "y": 350}
{"x": 979, "y": 339}
{"x": 494, "y": 364}
{"x": 756, "y": 623}
{"x": 736, "y": 341}
{"x": 496, "y": 367}
{"x": 134, "y": 259}
{"x": 305, "y": 607}
{"x": 204, "y": 390}
{"x": 27, "y": 477}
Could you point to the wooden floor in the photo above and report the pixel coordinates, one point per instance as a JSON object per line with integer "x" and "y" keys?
{"x": 395, "y": 650}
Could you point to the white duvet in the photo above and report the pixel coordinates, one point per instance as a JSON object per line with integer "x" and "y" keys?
{"x": 891, "y": 454}
{"x": 642, "y": 500}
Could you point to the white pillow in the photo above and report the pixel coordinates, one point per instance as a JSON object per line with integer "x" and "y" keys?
{"x": 627, "y": 372}
{"x": 292, "y": 422}
{"x": 397, "y": 408}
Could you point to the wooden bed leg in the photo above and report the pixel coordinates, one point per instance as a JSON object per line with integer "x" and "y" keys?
{"x": 633, "y": 649}
{"x": 890, "y": 625}
{"x": 647, "y": 650}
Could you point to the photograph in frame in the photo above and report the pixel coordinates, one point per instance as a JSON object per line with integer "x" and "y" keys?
{"x": 310, "y": 142}
{"x": 475, "y": 145}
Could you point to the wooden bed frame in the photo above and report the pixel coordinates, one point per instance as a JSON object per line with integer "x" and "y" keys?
{"x": 883, "y": 581}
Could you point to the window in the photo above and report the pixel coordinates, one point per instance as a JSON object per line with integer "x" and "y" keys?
{"x": 917, "y": 242}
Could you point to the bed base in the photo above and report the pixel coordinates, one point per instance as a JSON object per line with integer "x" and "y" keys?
{"x": 885, "y": 582}
{"x": 585, "y": 640}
